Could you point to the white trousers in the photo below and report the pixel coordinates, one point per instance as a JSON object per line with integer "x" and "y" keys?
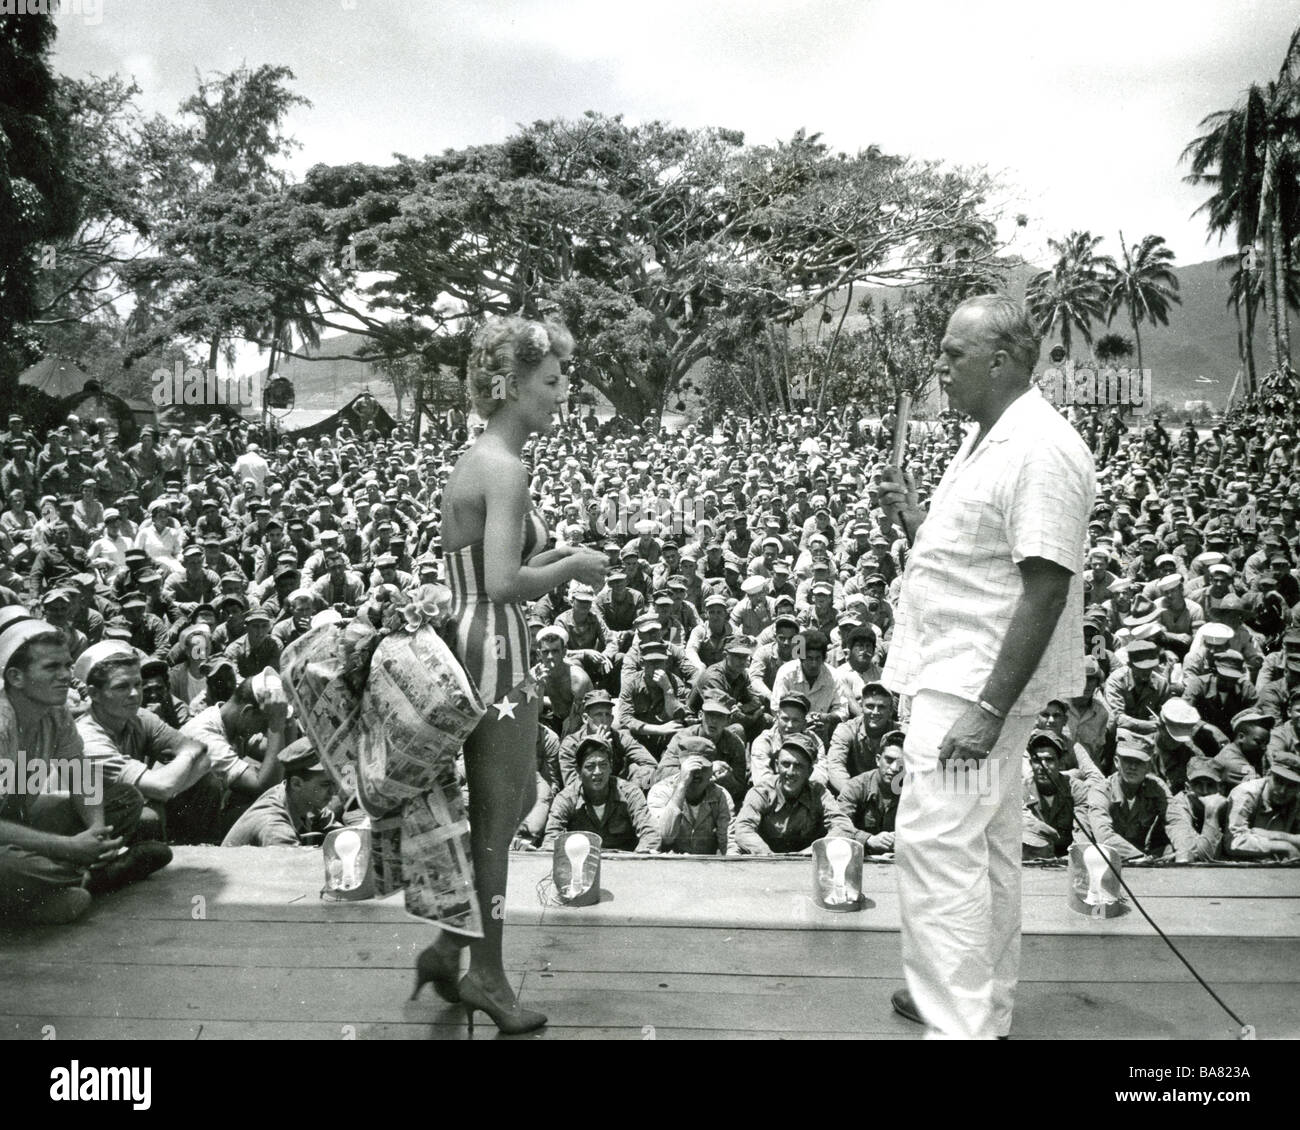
{"x": 957, "y": 844}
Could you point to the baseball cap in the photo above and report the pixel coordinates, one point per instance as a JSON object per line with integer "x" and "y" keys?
{"x": 1285, "y": 765}
{"x": 803, "y": 744}
{"x": 1230, "y": 662}
{"x": 596, "y": 698}
{"x": 797, "y": 699}
{"x": 1200, "y": 766}
{"x": 741, "y": 645}
{"x": 300, "y": 756}
{"x": 716, "y": 702}
{"x": 1142, "y": 654}
{"x": 1041, "y": 736}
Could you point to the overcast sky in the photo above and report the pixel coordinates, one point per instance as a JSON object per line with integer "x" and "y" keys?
{"x": 1082, "y": 108}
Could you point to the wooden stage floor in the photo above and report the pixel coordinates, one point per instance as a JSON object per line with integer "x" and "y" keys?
{"x": 235, "y": 944}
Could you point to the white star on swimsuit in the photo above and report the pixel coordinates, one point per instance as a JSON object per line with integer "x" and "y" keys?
{"x": 504, "y": 707}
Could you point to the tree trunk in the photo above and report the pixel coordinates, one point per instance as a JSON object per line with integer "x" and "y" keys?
{"x": 1137, "y": 337}
{"x": 1280, "y": 260}
{"x": 213, "y": 350}
{"x": 1249, "y": 355}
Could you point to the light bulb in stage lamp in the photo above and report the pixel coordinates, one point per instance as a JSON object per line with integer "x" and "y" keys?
{"x": 347, "y": 845}
{"x": 838, "y": 854}
{"x": 1095, "y": 862}
{"x": 577, "y": 847}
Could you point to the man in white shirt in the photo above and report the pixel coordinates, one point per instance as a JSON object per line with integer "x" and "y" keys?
{"x": 251, "y": 467}
{"x": 982, "y": 639}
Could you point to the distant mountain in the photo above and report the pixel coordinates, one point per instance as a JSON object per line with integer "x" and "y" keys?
{"x": 1200, "y": 340}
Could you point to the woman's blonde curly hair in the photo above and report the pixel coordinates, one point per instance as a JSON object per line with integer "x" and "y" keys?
{"x": 506, "y": 348}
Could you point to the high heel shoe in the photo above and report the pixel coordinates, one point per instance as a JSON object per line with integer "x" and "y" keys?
{"x": 510, "y": 1021}
{"x": 441, "y": 969}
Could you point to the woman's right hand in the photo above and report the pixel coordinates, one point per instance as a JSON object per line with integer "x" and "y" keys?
{"x": 588, "y": 567}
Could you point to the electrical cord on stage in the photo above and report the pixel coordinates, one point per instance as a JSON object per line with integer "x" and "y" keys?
{"x": 1247, "y": 1031}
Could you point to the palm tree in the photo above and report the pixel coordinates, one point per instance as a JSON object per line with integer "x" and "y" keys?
{"x": 1145, "y": 285}
{"x": 1112, "y": 347}
{"x": 1250, "y": 156}
{"x": 1073, "y": 293}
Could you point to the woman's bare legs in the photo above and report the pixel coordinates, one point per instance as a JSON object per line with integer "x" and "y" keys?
{"x": 501, "y": 770}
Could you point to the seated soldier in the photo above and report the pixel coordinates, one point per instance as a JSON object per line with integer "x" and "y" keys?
{"x": 631, "y": 760}
{"x": 1246, "y": 756}
{"x": 1285, "y": 734}
{"x": 1054, "y": 797}
{"x": 870, "y": 799}
{"x": 563, "y": 684}
{"x": 1180, "y": 735}
{"x": 1264, "y": 814}
{"x": 808, "y": 674}
{"x": 1224, "y": 692}
{"x": 707, "y": 641}
{"x": 855, "y": 744}
{"x": 1127, "y": 811}
{"x": 1196, "y": 815}
{"x": 182, "y": 800}
{"x": 731, "y": 677}
{"x": 256, "y": 650}
{"x": 156, "y": 696}
{"x": 791, "y": 718}
{"x": 599, "y": 802}
{"x": 296, "y": 807}
{"x": 859, "y": 666}
{"x": 690, "y": 810}
{"x": 786, "y": 815}
{"x": 60, "y": 846}
{"x": 774, "y": 653}
{"x": 651, "y": 705}
{"x": 243, "y": 737}
{"x": 730, "y": 768}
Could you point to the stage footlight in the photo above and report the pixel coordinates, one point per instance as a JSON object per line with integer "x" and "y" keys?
{"x": 575, "y": 868}
{"x": 1094, "y": 888}
{"x": 349, "y": 875}
{"x": 837, "y": 874}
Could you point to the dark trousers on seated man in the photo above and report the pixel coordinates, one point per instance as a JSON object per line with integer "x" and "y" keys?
{"x": 193, "y": 817}
{"x": 28, "y": 878}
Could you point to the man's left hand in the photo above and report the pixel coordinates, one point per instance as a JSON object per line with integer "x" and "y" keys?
{"x": 972, "y": 736}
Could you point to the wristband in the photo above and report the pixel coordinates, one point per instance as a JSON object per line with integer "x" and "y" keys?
{"x": 989, "y": 708}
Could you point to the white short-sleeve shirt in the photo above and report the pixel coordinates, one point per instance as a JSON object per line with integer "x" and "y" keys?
{"x": 1026, "y": 491}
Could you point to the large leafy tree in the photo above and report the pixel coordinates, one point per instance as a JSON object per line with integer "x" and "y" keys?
{"x": 1073, "y": 294}
{"x": 659, "y": 246}
{"x": 1144, "y": 285}
{"x": 38, "y": 198}
{"x": 207, "y": 282}
{"x": 1250, "y": 157}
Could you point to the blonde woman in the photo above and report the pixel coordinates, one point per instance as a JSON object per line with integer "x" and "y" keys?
{"x": 494, "y": 550}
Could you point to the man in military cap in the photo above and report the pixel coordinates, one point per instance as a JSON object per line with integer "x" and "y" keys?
{"x": 1054, "y": 797}
{"x": 1195, "y": 817}
{"x": 1135, "y": 692}
{"x": 1127, "y": 811}
{"x": 870, "y": 799}
{"x": 691, "y": 811}
{"x": 1264, "y": 814}
{"x": 651, "y": 704}
{"x": 786, "y": 814}
{"x": 286, "y": 812}
{"x": 257, "y": 648}
{"x": 597, "y": 801}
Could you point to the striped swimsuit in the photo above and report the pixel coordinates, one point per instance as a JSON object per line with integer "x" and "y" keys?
{"x": 491, "y": 638}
